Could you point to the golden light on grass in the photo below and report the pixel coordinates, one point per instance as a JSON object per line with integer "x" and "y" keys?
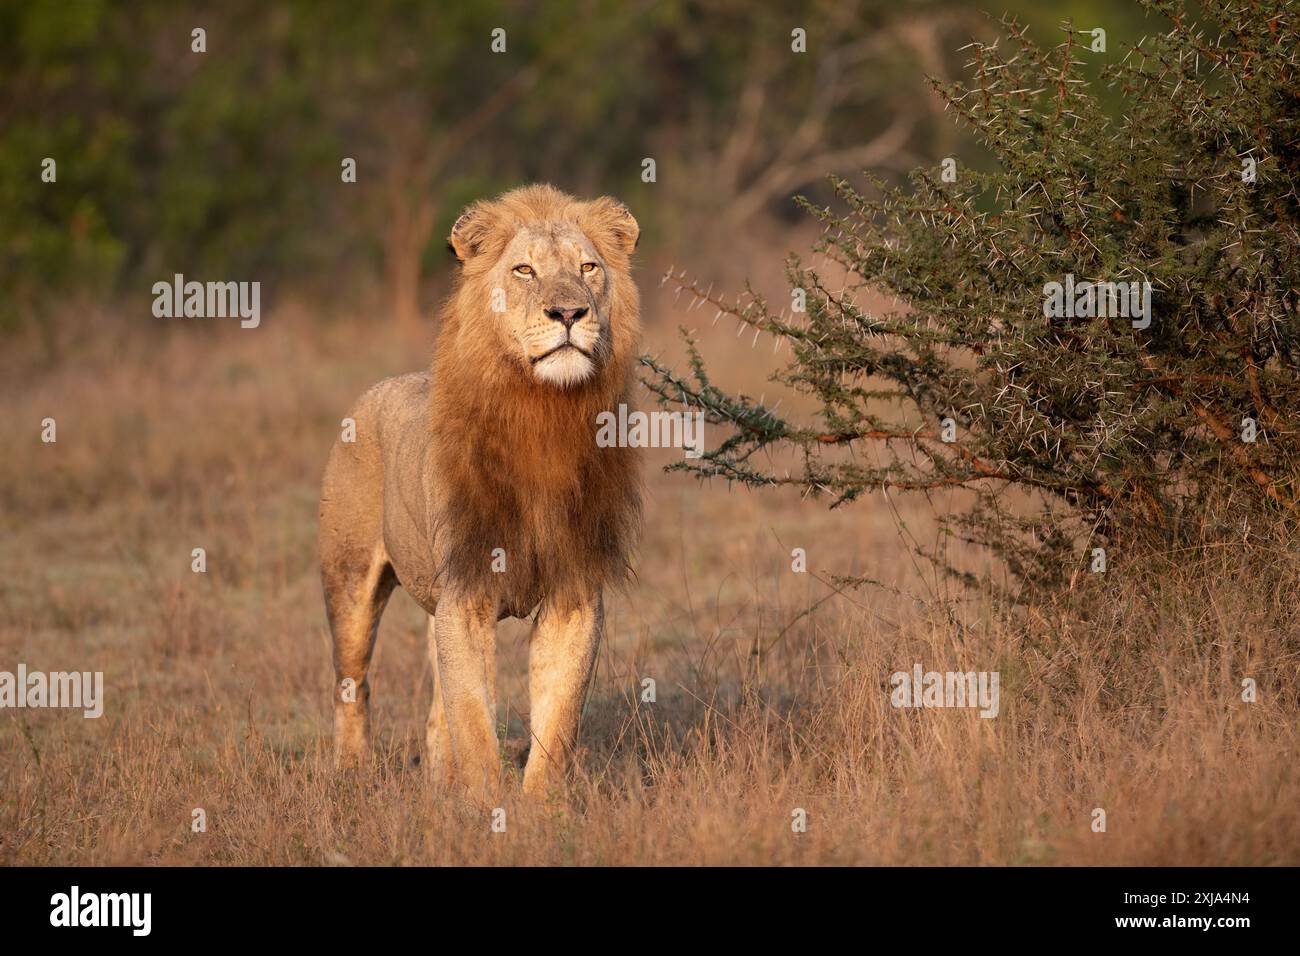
{"x": 218, "y": 684}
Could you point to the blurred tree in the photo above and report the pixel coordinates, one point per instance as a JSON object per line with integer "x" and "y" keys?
{"x": 772, "y": 119}
{"x": 414, "y": 110}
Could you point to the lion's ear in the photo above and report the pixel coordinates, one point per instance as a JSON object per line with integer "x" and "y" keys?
{"x": 611, "y": 217}
{"x": 468, "y": 232}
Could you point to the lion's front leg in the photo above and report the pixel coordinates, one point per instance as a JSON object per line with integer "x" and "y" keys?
{"x": 560, "y": 664}
{"x": 437, "y": 736}
{"x": 465, "y": 641}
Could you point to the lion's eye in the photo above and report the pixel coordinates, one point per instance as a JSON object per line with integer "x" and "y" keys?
{"x": 589, "y": 267}
{"x": 523, "y": 270}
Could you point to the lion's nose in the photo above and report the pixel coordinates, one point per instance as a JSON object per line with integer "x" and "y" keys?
{"x": 567, "y": 316}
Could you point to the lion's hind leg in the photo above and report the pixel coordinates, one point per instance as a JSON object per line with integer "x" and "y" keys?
{"x": 357, "y": 587}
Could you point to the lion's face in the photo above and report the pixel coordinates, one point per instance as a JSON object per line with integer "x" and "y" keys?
{"x": 556, "y": 298}
{"x": 544, "y": 267}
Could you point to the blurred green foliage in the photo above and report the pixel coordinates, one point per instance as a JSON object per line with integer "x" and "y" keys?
{"x": 227, "y": 163}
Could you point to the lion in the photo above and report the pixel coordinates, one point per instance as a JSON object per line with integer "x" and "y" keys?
{"x": 480, "y": 488}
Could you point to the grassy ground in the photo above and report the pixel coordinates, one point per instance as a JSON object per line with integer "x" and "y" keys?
{"x": 218, "y": 684}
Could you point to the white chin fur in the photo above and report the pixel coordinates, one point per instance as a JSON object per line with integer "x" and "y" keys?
{"x": 564, "y": 368}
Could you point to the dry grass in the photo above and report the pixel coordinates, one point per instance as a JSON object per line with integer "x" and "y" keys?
{"x": 218, "y": 685}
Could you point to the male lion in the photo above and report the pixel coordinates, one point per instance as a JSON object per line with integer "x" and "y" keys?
{"x": 479, "y": 487}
